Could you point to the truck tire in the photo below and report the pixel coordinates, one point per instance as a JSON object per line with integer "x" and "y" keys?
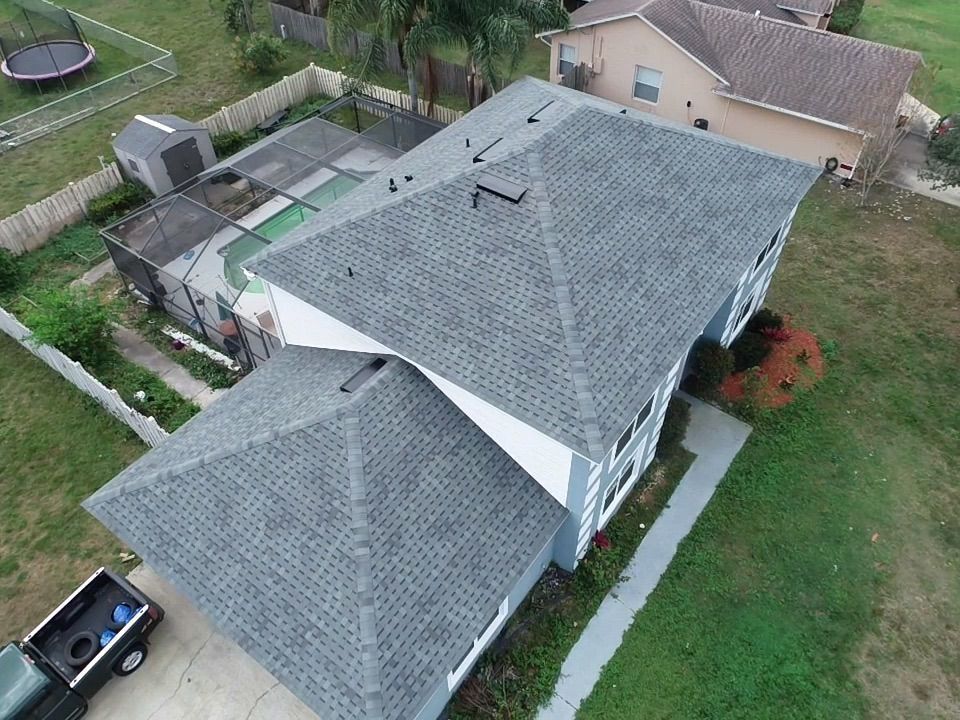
{"x": 131, "y": 660}
{"x": 81, "y": 648}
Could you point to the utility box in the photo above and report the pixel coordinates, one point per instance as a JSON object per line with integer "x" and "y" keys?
{"x": 163, "y": 151}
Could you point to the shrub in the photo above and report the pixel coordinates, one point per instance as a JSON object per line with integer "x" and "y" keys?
{"x": 259, "y": 53}
{"x": 846, "y": 16}
{"x": 749, "y": 350}
{"x": 764, "y": 318}
{"x": 227, "y": 143}
{"x": 9, "y": 271}
{"x": 117, "y": 202}
{"x": 777, "y": 335}
{"x": 714, "y": 363}
{"x": 234, "y": 16}
{"x": 75, "y": 323}
{"x": 675, "y": 422}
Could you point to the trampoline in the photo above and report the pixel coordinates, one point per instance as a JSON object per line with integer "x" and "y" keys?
{"x": 48, "y": 60}
{"x": 43, "y": 43}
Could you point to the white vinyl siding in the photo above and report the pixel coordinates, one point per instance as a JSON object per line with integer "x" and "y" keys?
{"x": 479, "y": 643}
{"x": 767, "y": 250}
{"x": 646, "y": 84}
{"x": 634, "y": 427}
{"x": 568, "y": 59}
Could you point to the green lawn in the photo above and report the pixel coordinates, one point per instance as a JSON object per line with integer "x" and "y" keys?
{"x": 57, "y": 447}
{"x": 780, "y": 604}
{"x": 929, "y": 26}
{"x": 194, "y": 31}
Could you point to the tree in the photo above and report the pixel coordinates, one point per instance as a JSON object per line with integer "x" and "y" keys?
{"x": 884, "y": 137}
{"x": 75, "y": 323}
{"x": 943, "y": 160}
{"x": 383, "y": 22}
{"x": 494, "y": 34}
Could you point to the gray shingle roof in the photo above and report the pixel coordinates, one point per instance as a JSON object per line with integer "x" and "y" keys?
{"x": 778, "y": 60}
{"x": 566, "y": 309}
{"x": 353, "y": 544}
{"x": 141, "y": 139}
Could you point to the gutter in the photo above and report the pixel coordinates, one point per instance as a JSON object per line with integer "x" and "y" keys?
{"x": 802, "y": 116}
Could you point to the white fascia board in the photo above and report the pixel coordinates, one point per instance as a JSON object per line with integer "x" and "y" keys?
{"x": 599, "y": 21}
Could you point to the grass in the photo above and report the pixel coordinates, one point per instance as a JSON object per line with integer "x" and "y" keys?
{"x": 16, "y": 99}
{"x": 821, "y": 582}
{"x": 518, "y": 673}
{"x": 931, "y": 27}
{"x": 208, "y": 80}
{"x": 57, "y": 448}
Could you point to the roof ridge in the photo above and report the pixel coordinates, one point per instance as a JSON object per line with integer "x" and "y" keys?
{"x": 350, "y": 405}
{"x": 568, "y": 321}
{"x": 839, "y": 37}
{"x": 371, "y": 675}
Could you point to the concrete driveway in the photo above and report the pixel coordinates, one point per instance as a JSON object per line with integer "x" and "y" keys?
{"x": 193, "y": 672}
{"x": 910, "y": 156}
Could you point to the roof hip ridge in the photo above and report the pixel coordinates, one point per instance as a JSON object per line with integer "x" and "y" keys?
{"x": 586, "y": 402}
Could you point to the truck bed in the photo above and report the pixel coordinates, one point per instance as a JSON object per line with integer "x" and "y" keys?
{"x": 90, "y": 609}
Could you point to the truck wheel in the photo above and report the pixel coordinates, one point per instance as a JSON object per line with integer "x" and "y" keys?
{"x": 81, "y": 648}
{"x": 131, "y": 660}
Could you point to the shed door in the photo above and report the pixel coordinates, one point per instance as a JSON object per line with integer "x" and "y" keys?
{"x": 183, "y": 161}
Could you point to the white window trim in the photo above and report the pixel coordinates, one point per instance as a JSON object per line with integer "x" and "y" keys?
{"x": 456, "y": 675}
{"x": 633, "y": 428}
{"x": 560, "y": 59}
{"x": 741, "y": 321}
{"x": 633, "y": 88}
{"x": 611, "y": 510}
{"x": 767, "y": 251}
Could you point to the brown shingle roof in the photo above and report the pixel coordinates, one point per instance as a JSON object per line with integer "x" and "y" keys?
{"x": 824, "y": 75}
{"x": 816, "y": 7}
{"x": 776, "y": 59}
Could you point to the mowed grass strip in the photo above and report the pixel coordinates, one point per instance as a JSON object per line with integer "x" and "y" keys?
{"x": 56, "y": 447}
{"x": 822, "y": 581}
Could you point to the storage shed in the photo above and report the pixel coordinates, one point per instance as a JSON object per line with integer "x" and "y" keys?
{"x": 163, "y": 151}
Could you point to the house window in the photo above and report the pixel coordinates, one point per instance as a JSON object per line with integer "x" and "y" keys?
{"x": 744, "y": 312}
{"x": 133, "y": 165}
{"x": 476, "y": 647}
{"x": 568, "y": 59}
{"x": 647, "y": 84}
{"x": 633, "y": 428}
{"x": 617, "y": 488}
{"x": 767, "y": 250}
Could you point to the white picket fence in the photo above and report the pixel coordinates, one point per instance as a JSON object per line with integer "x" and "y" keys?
{"x": 146, "y": 427}
{"x": 30, "y": 228}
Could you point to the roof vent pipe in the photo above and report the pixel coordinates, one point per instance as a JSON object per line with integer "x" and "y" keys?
{"x": 393, "y": 186}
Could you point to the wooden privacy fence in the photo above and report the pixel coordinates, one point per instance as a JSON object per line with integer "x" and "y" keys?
{"x": 146, "y": 427}
{"x": 289, "y": 23}
{"x": 30, "y": 228}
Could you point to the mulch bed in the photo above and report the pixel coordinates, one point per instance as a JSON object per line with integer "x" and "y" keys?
{"x": 793, "y": 364}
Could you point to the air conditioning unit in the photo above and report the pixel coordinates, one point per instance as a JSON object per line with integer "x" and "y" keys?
{"x": 701, "y": 124}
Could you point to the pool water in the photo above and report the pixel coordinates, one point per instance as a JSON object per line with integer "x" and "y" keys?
{"x": 276, "y": 227}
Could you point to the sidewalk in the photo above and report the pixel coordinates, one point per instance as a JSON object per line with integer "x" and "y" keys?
{"x": 137, "y": 350}
{"x": 716, "y": 438}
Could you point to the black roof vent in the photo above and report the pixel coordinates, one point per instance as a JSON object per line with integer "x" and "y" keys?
{"x": 501, "y": 188}
{"x": 477, "y": 158}
{"x": 362, "y": 375}
{"x": 533, "y": 118}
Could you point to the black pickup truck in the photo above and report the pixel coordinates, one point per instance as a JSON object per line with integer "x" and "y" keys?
{"x": 97, "y": 632}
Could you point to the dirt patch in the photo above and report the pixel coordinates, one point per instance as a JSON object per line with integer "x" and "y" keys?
{"x": 795, "y": 362}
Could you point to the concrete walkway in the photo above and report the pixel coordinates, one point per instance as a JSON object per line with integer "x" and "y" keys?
{"x": 716, "y": 438}
{"x": 137, "y": 350}
{"x": 910, "y": 156}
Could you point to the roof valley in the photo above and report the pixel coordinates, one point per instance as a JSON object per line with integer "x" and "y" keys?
{"x": 360, "y": 531}
{"x": 571, "y": 332}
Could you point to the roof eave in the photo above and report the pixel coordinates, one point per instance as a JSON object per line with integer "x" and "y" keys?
{"x": 785, "y": 111}
{"x": 598, "y": 21}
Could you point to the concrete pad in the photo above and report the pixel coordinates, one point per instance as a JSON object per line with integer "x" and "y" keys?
{"x": 95, "y": 274}
{"x": 192, "y": 671}
{"x": 716, "y": 438}
{"x": 910, "y": 156}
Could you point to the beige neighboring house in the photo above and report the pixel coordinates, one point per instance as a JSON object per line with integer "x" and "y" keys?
{"x": 748, "y": 69}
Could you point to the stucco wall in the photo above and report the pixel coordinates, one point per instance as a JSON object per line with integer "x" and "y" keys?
{"x": 615, "y": 49}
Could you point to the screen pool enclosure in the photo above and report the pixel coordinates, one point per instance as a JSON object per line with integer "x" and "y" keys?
{"x": 185, "y": 252}
{"x": 41, "y": 47}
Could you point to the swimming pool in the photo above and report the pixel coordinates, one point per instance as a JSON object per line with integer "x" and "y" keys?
{"x": 276, "y": 227}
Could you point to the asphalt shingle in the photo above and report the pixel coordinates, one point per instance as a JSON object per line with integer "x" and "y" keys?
{"x": 565, "y": 309}
{"x": 353, "y": 544}
{"x": 141, "y": 139}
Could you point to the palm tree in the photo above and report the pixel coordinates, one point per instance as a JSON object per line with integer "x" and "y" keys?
{"x": 494, "y": 34}
{"x": 384, "y": 21}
